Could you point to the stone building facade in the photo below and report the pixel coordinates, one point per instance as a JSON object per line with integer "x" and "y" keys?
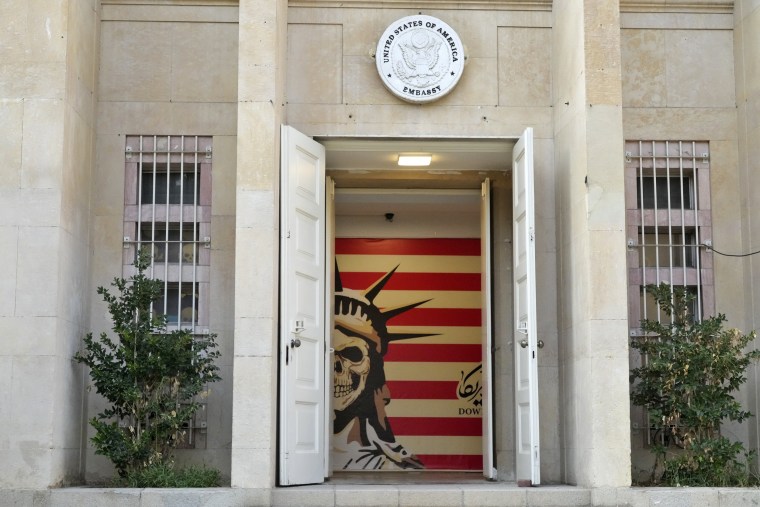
{"x": 91, "y": 91}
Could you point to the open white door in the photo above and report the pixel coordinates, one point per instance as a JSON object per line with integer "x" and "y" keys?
{"x": 302, "y": 310}
{"x": 525, "y": 322}
{"x": 487, "y": 373}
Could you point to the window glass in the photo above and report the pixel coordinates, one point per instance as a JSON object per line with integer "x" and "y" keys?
{"x": 666, "y": 192}
{"x": 173, "y": 245}
{"x": 181, "y": 184}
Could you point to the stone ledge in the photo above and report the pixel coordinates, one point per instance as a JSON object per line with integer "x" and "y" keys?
{"x": 327, "y": 495}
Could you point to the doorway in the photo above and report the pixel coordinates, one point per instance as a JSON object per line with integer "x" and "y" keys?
{"x": 363, "y": 178}
{"x": 409, "y": 331}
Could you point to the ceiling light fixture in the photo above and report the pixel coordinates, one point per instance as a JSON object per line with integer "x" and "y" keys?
{"x": 415, "y": 160}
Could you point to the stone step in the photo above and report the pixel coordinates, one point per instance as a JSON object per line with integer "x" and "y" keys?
{"x": 411, "y": 495}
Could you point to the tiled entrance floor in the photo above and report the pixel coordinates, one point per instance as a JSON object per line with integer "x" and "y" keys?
{"x": 407, "y": 477}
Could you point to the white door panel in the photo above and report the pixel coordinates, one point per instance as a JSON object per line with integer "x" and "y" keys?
{"x": 302, "y": 310}
{"x": 525, "y": 320}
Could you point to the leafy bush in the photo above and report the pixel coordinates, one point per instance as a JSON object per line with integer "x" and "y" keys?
{"x": 690, "y": 371}
{"x": 150, "y": 376}
{"x": 165, "y": 475}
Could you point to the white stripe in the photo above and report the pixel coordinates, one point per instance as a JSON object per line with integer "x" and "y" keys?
{"x": 427, "y": 371}
{"x": 438, "y": 298}
{"x": 442, "y": 445}
{"x": 429, "y": 408}
{"x": 409, "y": 263}
{"x": 465, "y": 335}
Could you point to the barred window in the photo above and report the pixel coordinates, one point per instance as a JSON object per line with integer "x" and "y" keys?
{"x": 668, "y": 218}
{"x": 168, "y": 211}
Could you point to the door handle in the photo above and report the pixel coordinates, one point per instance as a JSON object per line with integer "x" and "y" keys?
{"x": 295, "y": 343}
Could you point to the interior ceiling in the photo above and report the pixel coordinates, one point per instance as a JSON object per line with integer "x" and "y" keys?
{"x": 369, "y": 180}
{"x": 407, "y": 202}
{"x": 456, "y": 163}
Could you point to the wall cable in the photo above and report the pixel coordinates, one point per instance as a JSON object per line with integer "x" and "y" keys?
{"x": 728, "y": 254}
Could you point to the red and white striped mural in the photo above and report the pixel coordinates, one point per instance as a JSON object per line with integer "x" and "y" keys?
{"x": 433, "y": 380}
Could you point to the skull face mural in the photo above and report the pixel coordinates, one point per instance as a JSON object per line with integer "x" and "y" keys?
{"x": 363, "y": 438}
{"x": 351, "y": 369}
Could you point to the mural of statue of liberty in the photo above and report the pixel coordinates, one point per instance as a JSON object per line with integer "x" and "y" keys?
{"x": 363, "y": 438}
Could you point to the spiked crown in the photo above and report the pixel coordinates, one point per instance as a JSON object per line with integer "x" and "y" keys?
{"x": 357, "y": 315}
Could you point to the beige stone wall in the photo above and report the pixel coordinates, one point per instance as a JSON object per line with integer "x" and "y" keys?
{"x": 589, "y": 175}
{"x": 679, "y": 72}
{"x": 46, "y": 110}
{"x": 746, "y": 58}
{"x": 261, "y": 56}
{"x": 237, "y": 72}
{"x": 169, "y": 69}
{"x": 46, "y": 102}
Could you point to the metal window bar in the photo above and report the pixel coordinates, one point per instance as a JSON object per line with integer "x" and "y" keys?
{"x": 167, "y": 206}
{"x": 196, "y": 183}
{"x": 175, "y": 221}
{"x": 695, "y": 191}
{"x": 687, "y": 194}
{"x": 670, "y": 206}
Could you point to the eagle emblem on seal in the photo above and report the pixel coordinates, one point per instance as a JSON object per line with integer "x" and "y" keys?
{"x": 420, "y": 54}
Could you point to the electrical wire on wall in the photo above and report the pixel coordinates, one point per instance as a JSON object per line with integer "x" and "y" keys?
{"x": 728, "y": 254}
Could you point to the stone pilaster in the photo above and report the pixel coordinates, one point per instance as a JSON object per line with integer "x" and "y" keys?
{"x": 262, "y": 40}
{"x": 588, "y": 132}
{"x": 47, "y": 98}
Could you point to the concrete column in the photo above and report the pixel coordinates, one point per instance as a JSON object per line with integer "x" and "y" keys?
{"x": 46, "y": 136}
{"x": 747, "y": 72}
{"x": 262, "y": 40}
{"x": 588, "y": 132}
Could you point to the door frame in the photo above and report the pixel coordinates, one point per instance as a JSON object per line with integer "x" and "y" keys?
{"x": 329, "y": 270}
{"x": 482, "y": 205}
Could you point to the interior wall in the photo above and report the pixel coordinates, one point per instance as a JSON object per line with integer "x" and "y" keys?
{"x": 418, "y": 220}
{"x": 417, "y": 215}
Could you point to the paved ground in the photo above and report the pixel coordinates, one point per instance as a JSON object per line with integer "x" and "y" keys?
{"x": 407, "y": 495}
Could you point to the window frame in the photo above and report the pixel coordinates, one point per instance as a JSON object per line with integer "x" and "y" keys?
{"x": 149, "y": 155}
{"x": 672, "y": 160}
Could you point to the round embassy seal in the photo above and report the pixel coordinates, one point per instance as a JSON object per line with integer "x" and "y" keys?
{"x": 419, "y": 58}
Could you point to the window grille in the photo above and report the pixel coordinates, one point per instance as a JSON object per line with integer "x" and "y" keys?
{"x": 668, "y": 218}
{"x": 168, "y": 211}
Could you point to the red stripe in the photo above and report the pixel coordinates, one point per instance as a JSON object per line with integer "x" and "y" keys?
{"x": 445, "y": 352}
{"x": 441, "y": 317}
{"x": 429, "y": 246}
{"x": 437, "y": 426}
{"x": 423, "y": 389}
{"x": 414, "y": 281}
{"x": 451, "y": 461}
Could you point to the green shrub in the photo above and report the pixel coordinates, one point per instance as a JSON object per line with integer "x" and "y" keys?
{"x": 166, "y": 475}
{"x": 686, "y": 384}
{"x": 150, "y": 377}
